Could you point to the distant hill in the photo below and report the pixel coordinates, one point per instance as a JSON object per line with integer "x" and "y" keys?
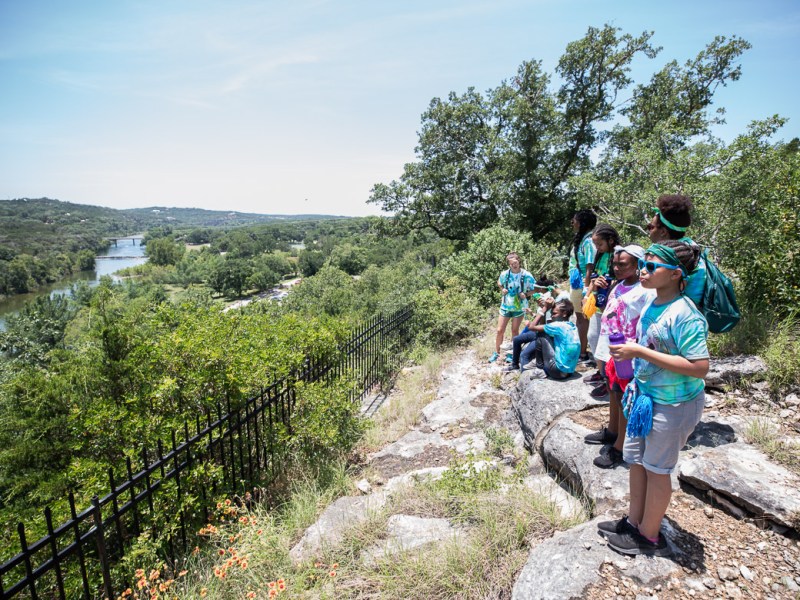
{"x": 199, "y": 217}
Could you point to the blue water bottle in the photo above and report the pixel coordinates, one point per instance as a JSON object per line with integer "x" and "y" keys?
{"x": 602, "y": 293}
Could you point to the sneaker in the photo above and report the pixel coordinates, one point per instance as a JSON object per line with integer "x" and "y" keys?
{"x": 633, "y": 543}
{"x": 510, "y": 368}
{"x": 621, "y": 526}
{"x": 600, "y": 392}
{"x": 535, "y": 373}
{"x": 609, "y": 458}
{"x": 604, "y": 436}
{"x": 493, "y": 357}
{"x": 595, "y": 377}
{"x": 509, "y": 357}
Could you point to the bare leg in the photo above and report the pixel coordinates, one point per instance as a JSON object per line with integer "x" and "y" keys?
{"x": 659, "y": 491}
{"x": 622, "y": 422}
{"x": 582, "y": 323}
{"x": 614, "y": 409}
{"x": 638, "y": 485}
{"x": 515, "y": 323}
{"x": 501, "y": 332}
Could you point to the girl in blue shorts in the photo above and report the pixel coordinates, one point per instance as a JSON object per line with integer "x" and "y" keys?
{"x": 665, "y": 400}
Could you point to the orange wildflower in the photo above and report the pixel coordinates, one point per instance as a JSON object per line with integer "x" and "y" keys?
{"x": 335, "y": 566}
{"x": 203, "y": 592}
{"x": 332, "y": 574}
{"x": 281, "y": 586}
{"x": 271, "y": 584}
{"x": 273, "y": 593}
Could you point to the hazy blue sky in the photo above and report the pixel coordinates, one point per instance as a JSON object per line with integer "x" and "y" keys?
{"x": 302, "y": 106}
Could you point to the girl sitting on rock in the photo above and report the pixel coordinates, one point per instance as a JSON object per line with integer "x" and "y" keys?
{"x": 557, "y": 342}
{"x": 665, "y": 401}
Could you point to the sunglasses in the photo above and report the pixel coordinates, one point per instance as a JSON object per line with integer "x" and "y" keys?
{"x": 651, "y": 266}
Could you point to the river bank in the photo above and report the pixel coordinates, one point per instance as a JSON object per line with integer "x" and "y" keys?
{"x": 127, "y": 253}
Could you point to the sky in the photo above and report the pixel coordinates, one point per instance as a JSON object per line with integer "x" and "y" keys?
{"x": 302, "y": 106}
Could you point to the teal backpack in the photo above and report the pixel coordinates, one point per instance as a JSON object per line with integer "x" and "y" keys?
{"x": 718, "y": 305}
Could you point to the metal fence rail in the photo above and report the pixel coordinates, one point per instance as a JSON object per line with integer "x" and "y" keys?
{"x": 76, "y": 559}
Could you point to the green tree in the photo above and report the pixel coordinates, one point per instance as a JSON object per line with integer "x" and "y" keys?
{"x": 310, "y": 261}
{"x": 511, "y": 153}
{"x": 164, "y": 251}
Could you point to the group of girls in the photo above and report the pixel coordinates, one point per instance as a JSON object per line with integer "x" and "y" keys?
{"x": 643, "y": 300}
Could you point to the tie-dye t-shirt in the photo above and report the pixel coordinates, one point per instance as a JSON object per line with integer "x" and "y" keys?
{"x": 696, "y": 281}
{"x": 586, "y": 255}
{"x": 515, "y": 283}
{"x": 567, "y": 344}
{"x": 624, "y": 308}
{"x": 675, "y": 328}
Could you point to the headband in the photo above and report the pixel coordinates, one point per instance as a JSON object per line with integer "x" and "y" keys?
{"x": 666, "y": 254}
{"x": 667, "y": 224}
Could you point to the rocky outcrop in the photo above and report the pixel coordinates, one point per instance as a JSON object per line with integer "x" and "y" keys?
{"x": 405, "y": 532}
{"x": 329, "y": 529}
{"x": 540, "y": 402}
{"x": 745, "y": 476}
{"x": 565, "y": 565}
{"x": 730, "y": 369}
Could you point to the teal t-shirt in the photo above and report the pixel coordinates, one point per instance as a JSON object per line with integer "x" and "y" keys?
{"x": 586, "y": 255}
{"x": 675, "y": 328}
{"x": 515, "y": 283}
{"x": 567, "y": 344}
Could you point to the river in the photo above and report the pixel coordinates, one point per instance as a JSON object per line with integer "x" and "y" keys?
{"x": 127, "y": 253}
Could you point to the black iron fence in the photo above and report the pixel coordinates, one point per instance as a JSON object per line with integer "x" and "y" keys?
{"x": 77, "y": 558}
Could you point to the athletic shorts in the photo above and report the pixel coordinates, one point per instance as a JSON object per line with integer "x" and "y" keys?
{"x": 576, "y": 297}
{"x": 614, "y": 381}
{"x": 511, "y": 314}
{"x": 672, "y": 426}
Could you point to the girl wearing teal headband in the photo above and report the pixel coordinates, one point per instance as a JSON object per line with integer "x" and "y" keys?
{"x": 671, "y": 221}
{"x": 665, "y": 400}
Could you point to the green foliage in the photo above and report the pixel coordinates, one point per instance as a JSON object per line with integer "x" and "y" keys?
{"x": 36, "y": 329}
{"x": 164, "y": 251}
{"x": 509, "y": 153}
{"x": 444, "y": 316}
{"x": 349, "y": 258}
{"x": 478, "y": 267}
{"x": 781, "y": 352}
{"x": 310, "y": 261}
{"x": 331, "y": 292}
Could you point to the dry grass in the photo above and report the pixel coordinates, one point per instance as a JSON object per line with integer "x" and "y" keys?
{"x": 767, "y": 436}
{"x": 415, "y": 387}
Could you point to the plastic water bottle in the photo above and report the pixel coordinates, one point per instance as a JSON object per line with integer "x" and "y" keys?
{"x": 602, "y": 293}
{"x": 624, "y": 367}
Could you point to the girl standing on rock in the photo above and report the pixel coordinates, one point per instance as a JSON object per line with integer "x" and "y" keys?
{"x": 516, "y": 284}
{"x": 665, "y": 401}
{"x": 581, "y": 267}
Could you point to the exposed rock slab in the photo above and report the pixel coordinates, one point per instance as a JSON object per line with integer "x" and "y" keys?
{"x": 329, "y": 529}
{"x": 418, "y": 449}
{"x": 566, "y": 453}
{"x": 539, "y": 402}
{"x": 730, "y": 369}
{"x": 453, "y": 398}
{"x": 568, "y": 505}
{"x": 407, "y": 532}
{"x": 749, "y": 479}
{"x": 569, "y": 562}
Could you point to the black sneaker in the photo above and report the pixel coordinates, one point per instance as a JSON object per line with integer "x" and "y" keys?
{"x": 621, "y": 526}
{"x": 604, "y": 436}
{"x": 510, "y": 368}
{"x": 633, "y": 543}
{"x": 609, "y": 458}
{"x": 600, "y": 392}
{"x": 594, "y": 378}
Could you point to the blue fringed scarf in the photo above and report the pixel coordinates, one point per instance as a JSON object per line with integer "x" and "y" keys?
{"x": 638, "y": 409}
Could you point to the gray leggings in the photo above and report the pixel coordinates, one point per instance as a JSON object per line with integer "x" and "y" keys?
{"x": 546, "y": 356}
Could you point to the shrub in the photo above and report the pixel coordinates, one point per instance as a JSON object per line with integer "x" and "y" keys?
{"x": 477, "y": 267}
{"x": 444, "y": 316}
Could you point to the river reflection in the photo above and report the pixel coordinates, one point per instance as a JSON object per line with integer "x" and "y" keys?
{"x": 127, "y": 253}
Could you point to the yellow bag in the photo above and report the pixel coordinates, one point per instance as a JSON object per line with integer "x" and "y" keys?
{"x": 589, "y": 306}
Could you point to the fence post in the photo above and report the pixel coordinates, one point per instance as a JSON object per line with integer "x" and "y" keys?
{"x": 101, "y": 547}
